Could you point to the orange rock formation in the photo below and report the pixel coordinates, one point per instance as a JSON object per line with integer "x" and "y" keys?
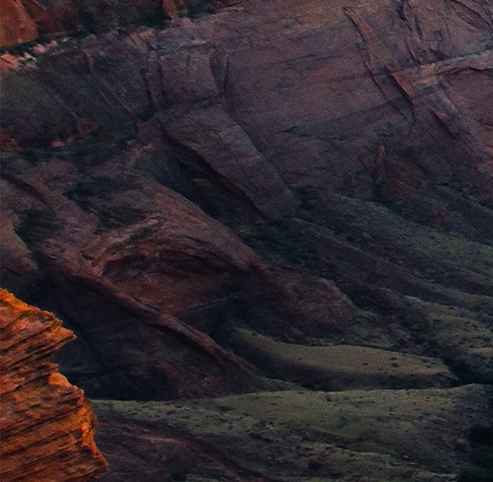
{"x": 46, "y": 423}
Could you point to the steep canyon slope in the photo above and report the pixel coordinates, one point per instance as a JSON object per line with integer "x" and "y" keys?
{"x": 278, "y": 198}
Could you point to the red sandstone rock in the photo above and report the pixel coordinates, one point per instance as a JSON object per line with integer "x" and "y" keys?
{"x": 173, "y": 8}
{"x": 16, "y": 26}
{"x": 223, "y": 145}
{"x": 139, "y": 276}
{"x": 320, "y": 86}
{"x": 26, "y": 20}
{"x": 48, "y": 16}
{"x": 47, "y": 425}
{"x": 236, "y": 112}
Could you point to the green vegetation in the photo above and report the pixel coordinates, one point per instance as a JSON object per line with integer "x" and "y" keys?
{"x": 463, "y": 342}
{"x": 35, "y": 226}
{"x": 95, "y": 194}
{"x": 113, "y": 217}
{"x": 481, "y": 434}
{"x": 200, "y": 8}
{"x": 274, "y": 242}
{"x": 340, "y": 367}
{"x": 370, "y": 436}
{"x": 99, "y": 187}
{"x": 481, "y": 457}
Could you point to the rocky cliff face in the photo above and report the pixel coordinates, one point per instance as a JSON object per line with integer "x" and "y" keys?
{"x": 278, "y": 193}
{"x": 47, "y": 425}
{"x": 28, "y": 20}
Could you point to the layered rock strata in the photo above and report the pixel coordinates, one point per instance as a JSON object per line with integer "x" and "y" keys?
{"x": 46, "y": 423}
{"x": 294, "y": 190}
{"x": 278, "y": 167}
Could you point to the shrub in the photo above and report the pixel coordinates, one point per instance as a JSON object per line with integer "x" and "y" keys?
{"x": 35, "y": 226}
{"x": 113, "y": 217}
{"x": 481, "y": 434}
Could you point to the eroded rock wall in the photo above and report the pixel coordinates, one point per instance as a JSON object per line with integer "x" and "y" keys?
{"x": 27, "y": 20}
{"x": 46, "y": 423}
{"x": 317, "y": 171}
{"x": 293, "y": 190}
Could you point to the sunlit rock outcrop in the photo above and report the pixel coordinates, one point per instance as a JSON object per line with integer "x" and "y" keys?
{"x": 47, "y": 425}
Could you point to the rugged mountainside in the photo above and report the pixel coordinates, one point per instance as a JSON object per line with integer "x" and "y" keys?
{"x": 277, "y": 199}
{"x": 27, "y": 20}
{"x": 47, "y": 425}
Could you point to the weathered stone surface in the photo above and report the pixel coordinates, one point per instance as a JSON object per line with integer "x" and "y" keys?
{"x": 301, "y": 101}
{"x": 347, "y": 148}
{"x": 225, "y": 147}
{"x": 173, "y": 8}
{"x": 15, "y": 24}
{"x": 17, "y": 267}
{"x": 124, "y": 286}
{"x": 47, "y": 425}
{"x": 345, "y": 66}
{"x": 324, "y": 99}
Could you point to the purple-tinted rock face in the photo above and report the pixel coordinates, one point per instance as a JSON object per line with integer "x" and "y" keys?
{"x": 324, "y": 92}
{"x": 275, "y": 194}
{"x": 339, "y": 142}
